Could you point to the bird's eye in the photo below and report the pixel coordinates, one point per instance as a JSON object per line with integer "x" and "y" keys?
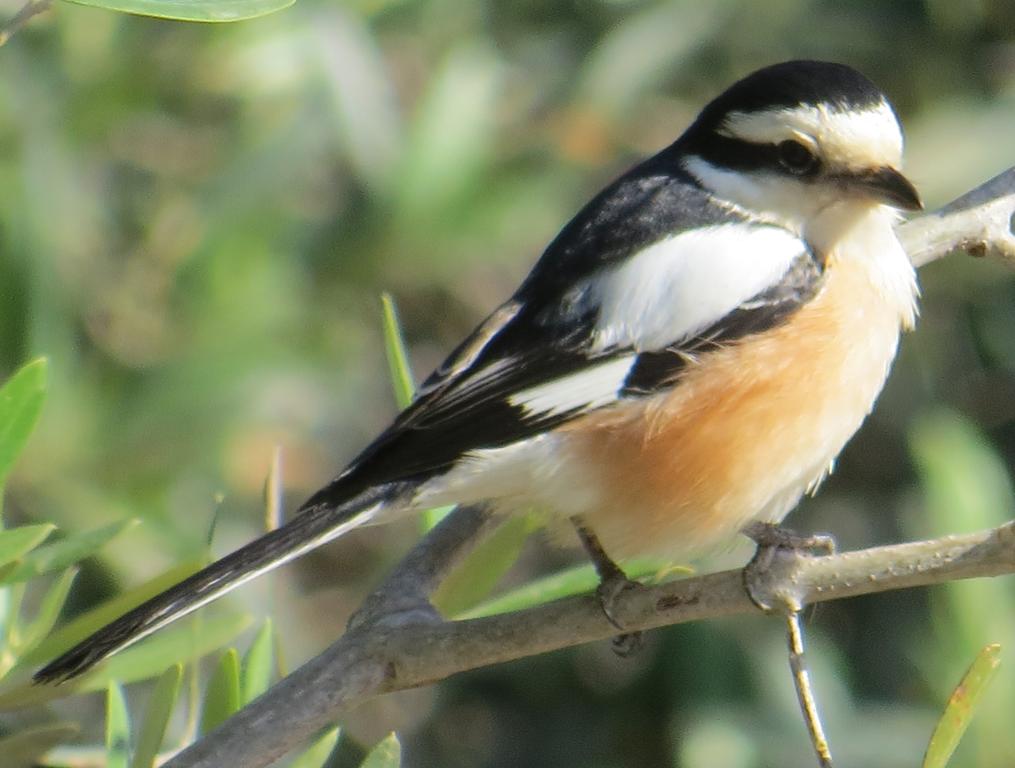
{"x": 796, "y": 158}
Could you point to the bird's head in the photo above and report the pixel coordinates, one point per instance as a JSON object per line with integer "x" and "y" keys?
{"x": 800, "y": 141}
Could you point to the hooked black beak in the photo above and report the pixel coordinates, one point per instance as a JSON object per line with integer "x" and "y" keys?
{"x": 889, "y": 186}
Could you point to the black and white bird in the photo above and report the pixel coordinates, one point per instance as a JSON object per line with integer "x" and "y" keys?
{"x": 688, "y": 356}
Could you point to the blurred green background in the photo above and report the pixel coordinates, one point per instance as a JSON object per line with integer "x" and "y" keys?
{"x": 196, "y": 222}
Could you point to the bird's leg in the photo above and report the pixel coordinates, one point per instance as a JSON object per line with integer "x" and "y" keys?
{"x": 612, "y": 583}
{"x": 778, "y": 549}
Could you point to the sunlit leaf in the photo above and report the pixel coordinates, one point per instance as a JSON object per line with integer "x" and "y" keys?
{"x": 67, "y": 551}
{"x": 17, "y": 542}
{"x": 174, "y": 644}
{"x": 961, "y": 707}
{"x": 49, "y": 609}
{"x": 28, "y": 745}
{"x": 319, "y": 751}
{"x": 84, "y": 625}
{"x": 258, "y": 666}
{"x": 398, "y": 357}
{"x": 273, "y": 489}
{"x": 472, "y": 581}
{"x": 222, "y": 698}
{"x": 193, "y": 10}
{"x": 450, "y": 137}
{"x": 117, "y": 728}
{"x": 21, "y": 399}
{"x": 429, "y": 518}
{"x": 387, "y": 754}
{"x": 156, "y": 718}
{"x": 572, "y": 581}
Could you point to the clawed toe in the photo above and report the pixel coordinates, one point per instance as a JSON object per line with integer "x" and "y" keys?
{"x": 608, "y": 592}
{"x": 769, "y": 535}
{"x": 778, "y": 550}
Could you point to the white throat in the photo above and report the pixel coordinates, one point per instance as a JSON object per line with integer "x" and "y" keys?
{"x": 862, "y": 234}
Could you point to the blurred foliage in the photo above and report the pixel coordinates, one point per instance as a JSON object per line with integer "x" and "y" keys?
{"x": 196, "y": 222}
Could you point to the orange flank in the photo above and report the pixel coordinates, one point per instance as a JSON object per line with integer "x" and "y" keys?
{"x": 749, "y": 429}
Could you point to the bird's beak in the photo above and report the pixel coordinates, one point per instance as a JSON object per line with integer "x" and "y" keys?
{"x": 889, "y": 186}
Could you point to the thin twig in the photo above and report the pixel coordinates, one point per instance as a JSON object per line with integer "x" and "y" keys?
{"x": 29, "y": 10}
{"x": 804, "y": 693}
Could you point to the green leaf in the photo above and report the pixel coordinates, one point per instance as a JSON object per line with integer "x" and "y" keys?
{"x": 450, "y": 144}
{"x": 157, "y": 714}
{"x": 49, "y": 610}
{"x": 257, "y": 664}
{"x": 961, "y": 706}
{"x": 65, "y": 552}
{"x": 117, "y": 728}
{"x": 169, "y": 646}
{"x": 273, "y": 490}
{"x": 404, "y": 384}
{"x": 572, "y": 581}
{"x": 222, "y": 698}
{"x": 21, "y": 399}
{"x": 387, "y": 754}
{"x": 398, "y": 357}
{"x": 15, "y": 543}
{"x": 28, "y": 745}
{"x": 473, "y": 580}
{"x": 429, "y": 518}
{"x": 318, "y": 753}
{"x": 84, "y": 625}
{"x": 193, "y": 10}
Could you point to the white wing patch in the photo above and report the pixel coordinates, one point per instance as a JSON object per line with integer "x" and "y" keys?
{"x": 593, "y": 387}
{"x": 679, "y": 286}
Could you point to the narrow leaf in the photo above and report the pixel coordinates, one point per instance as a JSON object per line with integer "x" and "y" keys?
{"x": 49, "y": 610}
{"x": 82, "y": 626}
{"x": 480, "y": 572}
{"x": 961, "y": 706}
{"x": 169, "y": 646}
{"x": 117, "y": 728}
{"x": 15, "y": 543}
{"x": 257, "y": 664}
{"x": 273, "y": 488}
{"x": 319, "y": 751}
{"x": 28, "y": 745}
{"x": 66, "y": 552}
{"x": 430, "y": 517}
{"x": 572, "y": 581}
{"x": 398, "y": 357}
{"x": 193, "y": 10}
{"x": 21, "y": 399}
{"x": 156, "y": 718}
{"x": 387, "y": 754}
{"x": 222, "y": 698}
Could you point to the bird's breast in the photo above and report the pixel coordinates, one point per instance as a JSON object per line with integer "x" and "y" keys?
{"x": 748, "y": 427}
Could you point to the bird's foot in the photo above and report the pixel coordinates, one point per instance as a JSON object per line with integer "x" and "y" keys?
{"x": 610, "y": 588}
{"x": 768, "y": 576}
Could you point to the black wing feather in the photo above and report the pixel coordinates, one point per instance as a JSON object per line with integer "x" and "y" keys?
{"x": 546, "y": 330}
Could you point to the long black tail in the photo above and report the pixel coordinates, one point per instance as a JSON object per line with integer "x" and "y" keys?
{"x": 307, "y": 530}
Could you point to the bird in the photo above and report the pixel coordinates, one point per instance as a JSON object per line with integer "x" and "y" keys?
{"x": 686, "y": 358}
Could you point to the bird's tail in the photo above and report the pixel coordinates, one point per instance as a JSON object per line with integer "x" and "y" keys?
{"x": 313, "y": 526}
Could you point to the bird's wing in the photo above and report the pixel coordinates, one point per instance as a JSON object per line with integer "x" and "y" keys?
{"x": 649, "y": 274}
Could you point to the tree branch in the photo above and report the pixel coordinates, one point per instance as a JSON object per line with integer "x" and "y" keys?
{"x": 396, "y": 641}
{"x": 28, "y": 11}
{"x": 980, "y": 223}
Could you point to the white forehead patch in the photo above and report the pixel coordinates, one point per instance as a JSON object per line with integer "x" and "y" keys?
{"x": 844, "y": 138}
